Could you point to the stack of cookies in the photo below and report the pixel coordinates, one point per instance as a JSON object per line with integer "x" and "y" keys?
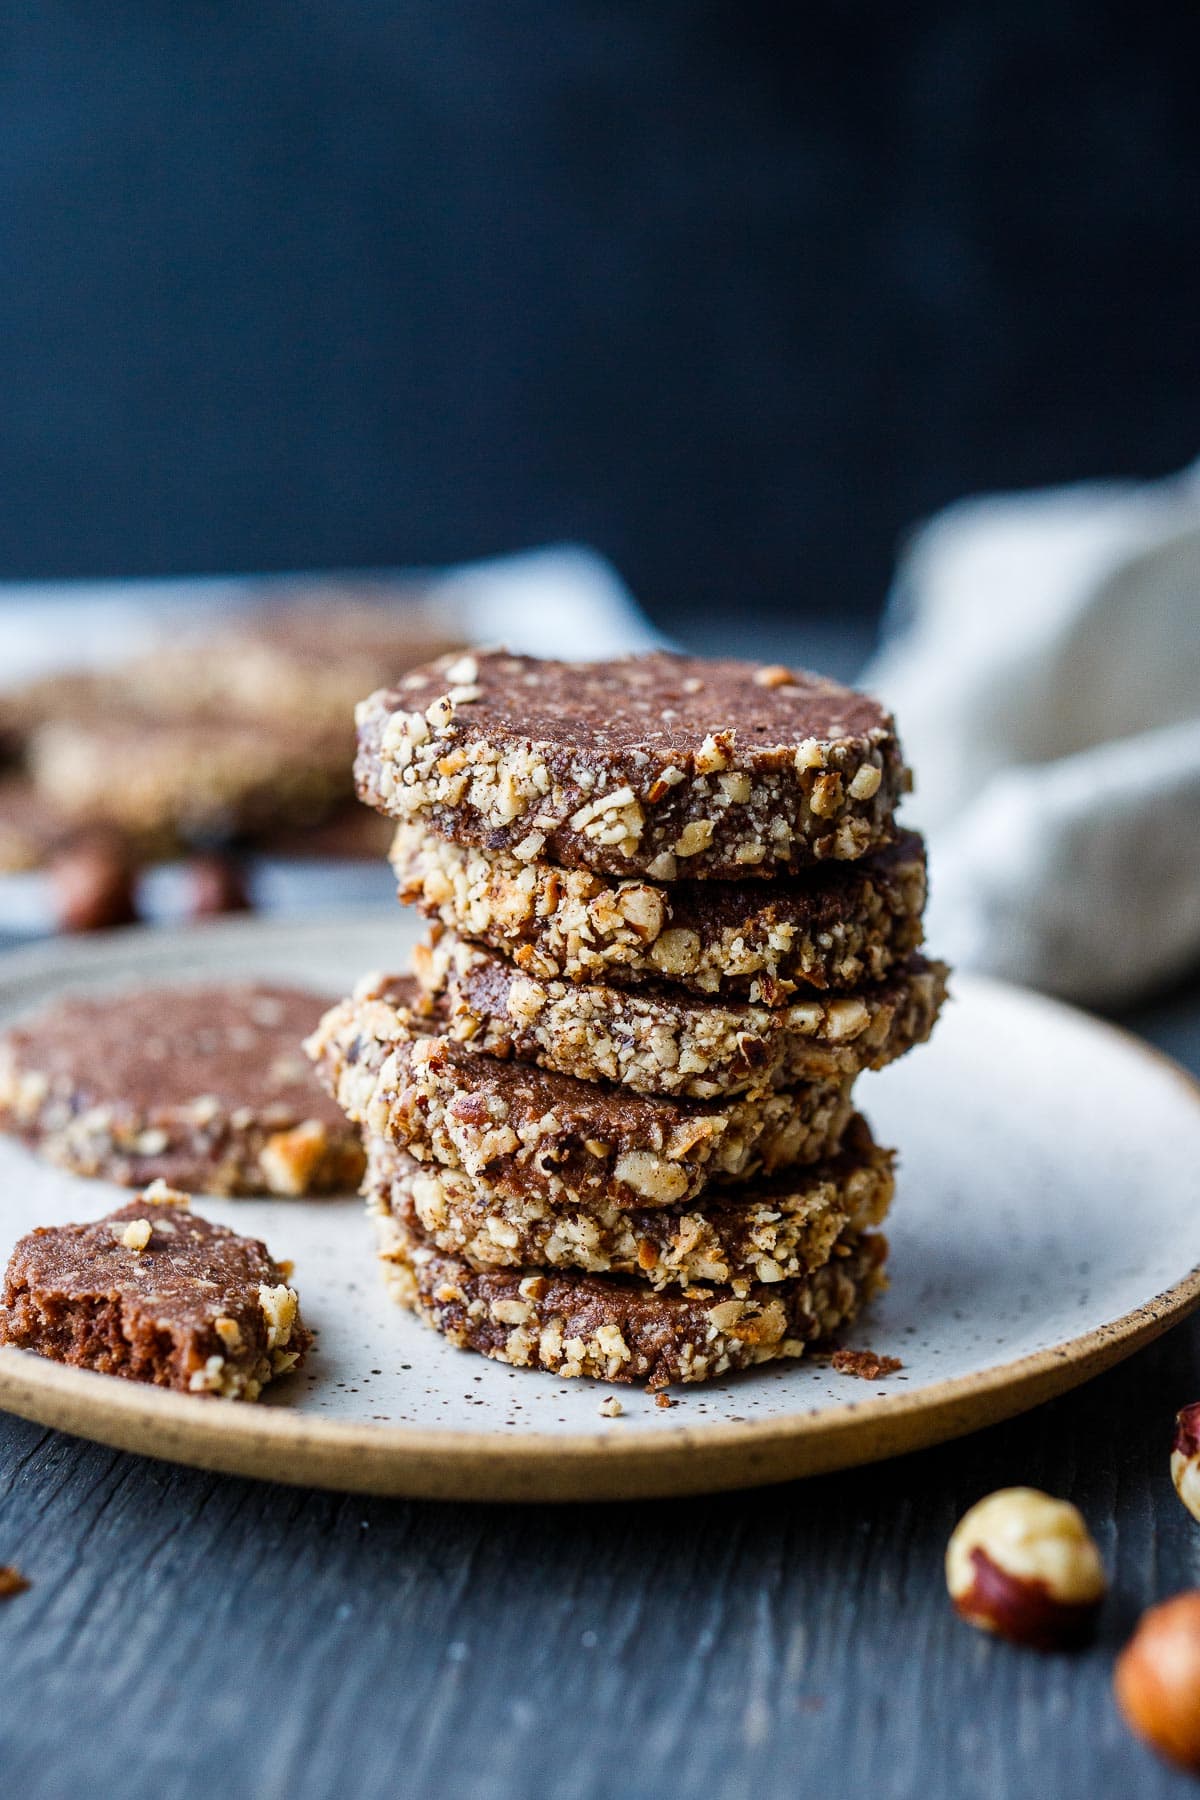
{"x": 608, "y": 1116}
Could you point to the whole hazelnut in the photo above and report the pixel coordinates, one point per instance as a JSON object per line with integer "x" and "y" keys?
{"x": 1023, "y": 1564}
{"x": 214, "y": 885}
{"x": 1157, "y": 1679}
{"x": 92, "y": 884}
{"x": 1185, "y": 1458}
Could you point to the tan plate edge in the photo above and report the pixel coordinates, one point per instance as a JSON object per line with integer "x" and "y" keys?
{"x": 278, "y": 1445}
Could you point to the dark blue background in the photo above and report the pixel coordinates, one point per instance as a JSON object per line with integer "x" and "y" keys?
{"x": 736, "y": 292}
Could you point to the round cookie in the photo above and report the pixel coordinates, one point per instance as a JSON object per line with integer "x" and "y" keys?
{"x": 659, "y": 765}
{"x": 762, "y": 1231}
{"x": 539, "y": 1136}
{"x": 835, "y": 927}
{"x": 162, "y": 781}
{"x": 659, "y": 1040}
{"x": 206, "y": 1088}
{"x": 618, "y": 1330}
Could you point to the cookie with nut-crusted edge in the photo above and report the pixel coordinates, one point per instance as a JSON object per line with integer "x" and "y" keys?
{"x": 207, "y": 1088}
{"x": 544, "y": 1138}
{"x": 30, "y": 829}
{"x": 832, "y": 927}
{"x": 163, "y": 782}
{"x": 614, "y": 1328}
{"x": 658, "y": 765}
{"x": 763, "y": 1230}
{"x": 658, "y": 1039}
{"x": 154, "y": 1293}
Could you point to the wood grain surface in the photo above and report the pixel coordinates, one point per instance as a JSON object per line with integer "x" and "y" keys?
{"x": 192, "y": 1634}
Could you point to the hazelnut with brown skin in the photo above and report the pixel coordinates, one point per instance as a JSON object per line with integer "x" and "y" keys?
{"x": 1157, "y": 1680}
{"x": 1023, "y": 1565}
{"x": 1185, "y": 1458}
{"x": 92, "y": 882}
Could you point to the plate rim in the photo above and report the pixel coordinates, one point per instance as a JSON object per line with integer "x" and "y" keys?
{"x": 277, "y": 1443}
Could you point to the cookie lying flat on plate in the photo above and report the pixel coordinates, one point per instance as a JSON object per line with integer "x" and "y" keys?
{"x": 537, "y": 1134}
{"x": 30, "y": 828}
{"x": 659, "y": 765}
{"x": 834, "y": 927}
{"x": 206, "y": 1088}
{"x": 619, "y": 1330}
{"x": 765, "y": 1230}
{"x": 301, "y": 662}
{"x": 153, "y": 1293}
{"x": 166, "y": 781}
{"x": 659, "y": 1040}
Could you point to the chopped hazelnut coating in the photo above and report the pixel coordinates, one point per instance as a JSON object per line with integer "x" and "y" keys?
{"x": 830, "y": 927}
{"x": 155, "y": 1294}
{"x": 758, "y": 1232}
{"x": 657, "y": 765}
{"x": 616, "y": 1329}
{"x": 658, "y": 1040}
{"x": 204, "y": 1087}
{"x": 539, "y": 1137}
{"x": 243, "y": 725}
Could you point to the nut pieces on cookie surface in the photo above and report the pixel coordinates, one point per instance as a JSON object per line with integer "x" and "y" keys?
{"x": 1023, "y": 1565}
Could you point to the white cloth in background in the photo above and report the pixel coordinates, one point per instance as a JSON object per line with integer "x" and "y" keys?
{"x": 1042, "y": 655}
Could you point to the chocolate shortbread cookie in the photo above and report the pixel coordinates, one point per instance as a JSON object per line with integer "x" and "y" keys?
{"x": 30, "y": 828}
{"x": 655, "y": 765}
{"x": 833, "y": 927}
{"x": 299, "y": 663}
{"x": 764, "y": 1230}
{"x": 617, "y": 1329}
{"x": 204, "y": 1087}
{"x": 546, "y": 1137}
{"x": 153, "y": 1293}
{"x": 659, "y": 1040}
{"x": 163, "y": 782}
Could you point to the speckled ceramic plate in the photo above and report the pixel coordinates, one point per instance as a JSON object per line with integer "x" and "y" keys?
{"x": 1047, "y": 1223}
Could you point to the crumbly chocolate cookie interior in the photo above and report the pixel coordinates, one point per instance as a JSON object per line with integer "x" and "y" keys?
{"x": 155, "y": 1293}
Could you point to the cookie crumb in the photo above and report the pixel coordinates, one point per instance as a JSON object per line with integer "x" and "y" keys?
{"x": 611, "y": 1408}
{"x": 865, "y": 1364}
{"x": 12, "y": 1582}
{"x": 663, "y": 1400}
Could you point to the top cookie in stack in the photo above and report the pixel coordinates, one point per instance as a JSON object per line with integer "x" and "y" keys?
{"x": 661, "y": 877}
{"x": 660, "y": 766}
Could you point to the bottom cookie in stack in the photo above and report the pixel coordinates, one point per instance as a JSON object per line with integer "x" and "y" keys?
{"x": 683, "y": 1293}
{"x": 616, "y": 1328}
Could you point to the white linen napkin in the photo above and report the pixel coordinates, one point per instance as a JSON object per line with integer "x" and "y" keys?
{"x": 1042, "y": 654}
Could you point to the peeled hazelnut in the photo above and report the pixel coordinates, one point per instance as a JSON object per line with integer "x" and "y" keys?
{"x": 1157, "y": 1679}
{"x": 214, "y": 885}
{"x": 1023, "y": 1564}
{"x": 1185, "y": 1458}
{"x": 92, "y": 882}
